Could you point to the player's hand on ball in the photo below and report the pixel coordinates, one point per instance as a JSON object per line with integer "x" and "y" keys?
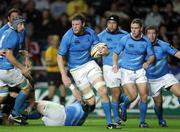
{"x": 103, "y": 50}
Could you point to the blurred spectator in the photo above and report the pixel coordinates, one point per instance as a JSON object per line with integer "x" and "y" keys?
{"x": 33, "y": 17}
{"x": 176, "y": 4}
{"x": 118, "y": 8}
{"x": 57, "y": 8}
{"x": 91, "y": 17}
{"x": 76, "y": 6}
{"x": 54, "y": 78}
{"x": 100, "y": 5}
{"x": 163, "y": 33}
{"x": 172, "y": 18}
{"x": 154, "y": 17}
{"x": 62, "y": 24}
{"x": 102, "y": 23}
{"x": 47, "y": 27}
{"x": 42, "y": 4}
{"x": 34, "y": 51}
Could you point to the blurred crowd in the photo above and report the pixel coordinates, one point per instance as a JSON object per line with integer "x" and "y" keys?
{"x": 45, "y": 18}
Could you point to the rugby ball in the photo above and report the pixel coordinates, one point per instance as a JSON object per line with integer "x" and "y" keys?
{"x": 95, "y": 51}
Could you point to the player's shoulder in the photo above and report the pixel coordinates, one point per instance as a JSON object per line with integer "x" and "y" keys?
{"x": 126, "y": 37}
{"x": 123, "y": 31}
{"x": 5, "y": 27}
{"x": 89, "y": 30}
{"x": 163, "y": 43}
{"x": 145, "y": 38}
{"x": 10, "y": 33}
{"x": 102, "y": 33}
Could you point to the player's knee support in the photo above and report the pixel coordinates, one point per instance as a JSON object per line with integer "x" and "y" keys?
{"x": 25, "y": 84}
{"x": 99, "y": 85}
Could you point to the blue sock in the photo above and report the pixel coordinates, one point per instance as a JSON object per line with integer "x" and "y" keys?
{"x": 126, "y": 102}
{"x": 20, "y": 99}
{"x": 33, "y": 115}
{"x": 143, "y": 110}
{"x": 115, "y": 108}
{"x": 179, "y": 100}
{"x": 107, "y": 110}
{"x": 159, "y": 112}
{"x": 122, "y": 98}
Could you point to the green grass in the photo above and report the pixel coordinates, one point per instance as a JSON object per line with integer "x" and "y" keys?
{"x": 95, "y": 125}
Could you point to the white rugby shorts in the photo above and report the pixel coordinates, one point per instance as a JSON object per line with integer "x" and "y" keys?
{"x": 112, "y": 79}
{"x": 155, "y": 85}
{"x": 130, "y": 76}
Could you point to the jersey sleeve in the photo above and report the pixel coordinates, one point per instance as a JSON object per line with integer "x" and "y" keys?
{"x": 64, "y": 45}
{"x": 170, "y": 49}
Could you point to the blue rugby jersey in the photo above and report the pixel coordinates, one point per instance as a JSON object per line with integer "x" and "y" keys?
{"x": 77, "y": 48}
{"x": 160, "y": 66}
{"x": 74, "y": 114}
{"x": 10, "y": 39}
{"x": 134, "y": 51}
{"x": 112, "y": 40}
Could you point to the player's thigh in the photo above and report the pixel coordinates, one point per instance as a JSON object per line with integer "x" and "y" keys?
{"x": 141, "y": 76}
{"x": 130, "y": 90}
{"x": 127, "y": 76}
{"x": 175, "y": 89}
{"x": 80, "y": 77}
{"x": 142, "y": 89}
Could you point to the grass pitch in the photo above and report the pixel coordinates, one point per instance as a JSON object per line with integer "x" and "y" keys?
{"x": 95, "y": 125}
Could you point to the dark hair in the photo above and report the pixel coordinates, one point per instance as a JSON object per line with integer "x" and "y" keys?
{"x": 151, "y": 27}
{"x": 13, "y": 10}
{"x": 138, "y": 21}
{"x": 80, "y": 17}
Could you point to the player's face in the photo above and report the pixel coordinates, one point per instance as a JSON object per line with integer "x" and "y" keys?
{"x": 151, "y": 34}
{"x": 77, "y": 26}
{"x": 20, "y": 27}
{"x": 12, "y": 15}
{"x": 136, "y": 30}
{"x": 112, "y": 25}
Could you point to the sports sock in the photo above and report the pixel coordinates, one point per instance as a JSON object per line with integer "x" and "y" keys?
{"x": 122, "y": 98}
{"x": 20, "y": 99}
{"x": 107, "y": 110}
{"x": 143, "y": 110}
{"x": 115, "y": 109}
{"x": 126, "y": 102}
{"x": 159, "y": 112}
